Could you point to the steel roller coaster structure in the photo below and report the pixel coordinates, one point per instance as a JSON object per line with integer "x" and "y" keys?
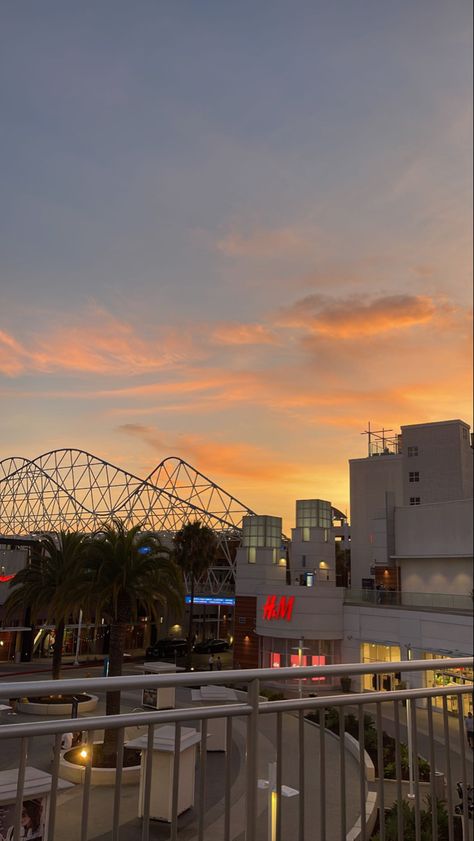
{"x": 71, "y": 489}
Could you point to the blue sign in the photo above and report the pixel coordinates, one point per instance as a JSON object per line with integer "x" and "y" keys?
{"x": 229, "y": 601}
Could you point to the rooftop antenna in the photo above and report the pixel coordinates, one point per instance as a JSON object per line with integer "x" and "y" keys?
{"x": 378, "y": 434}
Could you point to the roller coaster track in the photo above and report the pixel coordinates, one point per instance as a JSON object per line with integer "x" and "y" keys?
{"x": 74, "y": 490}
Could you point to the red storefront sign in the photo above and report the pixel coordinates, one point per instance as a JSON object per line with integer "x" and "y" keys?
{"x": 278, "y": 609}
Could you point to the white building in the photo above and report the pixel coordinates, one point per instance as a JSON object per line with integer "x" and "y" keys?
{"x": 427, "y": 463}
{"x": 417, "y": 554}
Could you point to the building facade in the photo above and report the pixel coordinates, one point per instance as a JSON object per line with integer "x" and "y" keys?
{"x": 411, "y": 594}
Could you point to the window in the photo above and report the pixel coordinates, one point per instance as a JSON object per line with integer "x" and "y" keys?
{"x": 414, "y": 476}
{"x": 415, "y": 500}
{"x": 464, "y": 433}
{"x": 412, "y": 451}
{"x": 306, "y": 533}
{"x": 303, "y": 560}
{"x": 252, "y": 555}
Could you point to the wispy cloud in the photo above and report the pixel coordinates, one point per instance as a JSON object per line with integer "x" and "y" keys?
{"x": 268, "y": 243}
{"x": 232, "y": 333}
{"x": 95, "y": 342}
{"x": 220, "y": 458}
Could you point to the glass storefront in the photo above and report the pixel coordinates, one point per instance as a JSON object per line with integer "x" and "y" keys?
{"x": 279, "y": 653}
{"x": 374, "y": 652}
{"x": 449, "y": 677}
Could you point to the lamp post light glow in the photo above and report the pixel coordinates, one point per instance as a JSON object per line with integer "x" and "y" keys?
{"x": 270, "y": 785}
{"x": 299, "y": 649}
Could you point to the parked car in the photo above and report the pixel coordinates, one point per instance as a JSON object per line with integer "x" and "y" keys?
{"x": 167, "y": 647}
{"x": 211, "y": 646}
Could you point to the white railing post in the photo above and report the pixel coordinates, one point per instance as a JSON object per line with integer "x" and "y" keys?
{"x": 411, "y": 792}
{"x": 252, "y": 760}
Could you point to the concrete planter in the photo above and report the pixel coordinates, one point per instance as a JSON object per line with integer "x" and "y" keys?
{"x": 34, "y": 708}
{"x": 390, "y": 789}
{"x": 100, "y": 776}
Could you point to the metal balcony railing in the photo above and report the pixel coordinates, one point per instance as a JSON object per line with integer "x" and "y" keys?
{"x": 272, "y": 750}
{"x": 417, "y": 601}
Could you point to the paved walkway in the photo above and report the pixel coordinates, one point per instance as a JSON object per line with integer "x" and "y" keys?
{"x": 69, "y": 808}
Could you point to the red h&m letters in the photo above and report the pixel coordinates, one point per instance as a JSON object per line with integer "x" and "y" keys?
{"x": 281, "y": 610}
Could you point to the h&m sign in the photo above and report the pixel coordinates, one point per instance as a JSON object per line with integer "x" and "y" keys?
{"x": 278, "y": 608}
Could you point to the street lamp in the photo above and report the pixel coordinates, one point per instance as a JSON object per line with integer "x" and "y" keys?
{"x": 300, "y": 648}
{"x": 270, "y": 785}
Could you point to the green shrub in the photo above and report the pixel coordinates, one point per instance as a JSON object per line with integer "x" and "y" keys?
{"x": 370, "y": 743}
{"x": 272, "y": 696}
{"x": 408, "y": 812}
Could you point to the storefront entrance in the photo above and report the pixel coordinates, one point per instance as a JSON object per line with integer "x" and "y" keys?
{"x": 374, "y": 652}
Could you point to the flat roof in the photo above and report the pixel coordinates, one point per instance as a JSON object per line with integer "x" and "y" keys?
{"x": 435, "y": 423}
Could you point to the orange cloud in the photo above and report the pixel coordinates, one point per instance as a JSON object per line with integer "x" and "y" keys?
{"x": 98, "y": 343}
{"x": 13, "y": 356}
{"x": 354, "y": 318}
{"x": 233, "y": 333}
{"x": 216, "y": 457}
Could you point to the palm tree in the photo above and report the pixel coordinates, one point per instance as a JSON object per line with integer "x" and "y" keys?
{"x": 45, "y": 585}
{"x": 195, "y": 550}
{"x": 125, "y": 571}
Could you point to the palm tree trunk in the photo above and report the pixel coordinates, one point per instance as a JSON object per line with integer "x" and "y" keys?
{"x": 112, "y": 703}
{"x": 189, "y": 654}
{"x": 118, "y": 630}
{"x": 58, "y": 649}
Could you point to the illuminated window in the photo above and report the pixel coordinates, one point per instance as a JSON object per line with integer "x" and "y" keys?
{"x": 414, "y": 476}
{"x": 252, "y": 555}
{"x": 306, "y": 533}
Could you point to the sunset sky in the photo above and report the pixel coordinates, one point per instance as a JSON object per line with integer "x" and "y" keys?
{"x": 234, "y": 232}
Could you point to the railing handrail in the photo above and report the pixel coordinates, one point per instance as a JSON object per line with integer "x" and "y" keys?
{"x": 70, "y": 686}
{"x": 187, "y": 714}
{"x": 406, "y": 598}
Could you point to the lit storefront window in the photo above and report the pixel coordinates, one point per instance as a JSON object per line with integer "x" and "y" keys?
{"x": 309, "y": 660}
{"x": 279, "y": 653}
{"x": 373, "y": 652}
{"x": 449, "y": 677}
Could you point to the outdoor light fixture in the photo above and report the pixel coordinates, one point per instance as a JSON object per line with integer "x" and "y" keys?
{"x": 84, "y": 753}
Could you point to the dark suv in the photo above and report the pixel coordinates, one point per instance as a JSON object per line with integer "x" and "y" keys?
{"x": 167, "y": 647}
{"x": 211, "y": 646}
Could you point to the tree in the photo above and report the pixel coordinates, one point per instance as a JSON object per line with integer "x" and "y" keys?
{"x": 195, "y": 550}
{"x": 125, "y": 571}
{"x": 45, "y": 585}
